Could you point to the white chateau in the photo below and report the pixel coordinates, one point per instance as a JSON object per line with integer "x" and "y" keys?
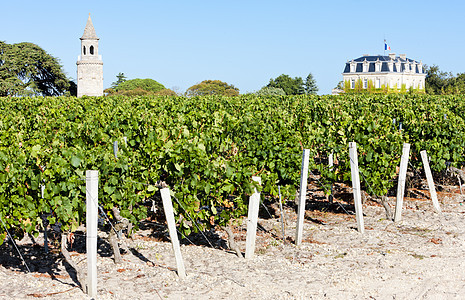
{"x": 89, "y": 64}
{"x": 380, "y": 71}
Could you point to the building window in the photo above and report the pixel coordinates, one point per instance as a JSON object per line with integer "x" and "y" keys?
{"x": 352, "y": 83}
{"x": 84, "y": 50}
{"x": 365, "y": 83}
{"x": 352, "y": 67}
{"x": 378, "y": 84}
{"x": 91, "y": 50}
{"x": 365, "y": 66}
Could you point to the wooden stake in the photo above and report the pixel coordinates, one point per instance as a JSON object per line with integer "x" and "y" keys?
{"x": 401, "y": 183}
{"x": 356, "y": 186}
{"x": 331, "y": 161}
{"x": 168, "y": 208}
{"x": 429, "y": 178}
{"x": 252, "y": 219}
{"x": 91, "y": 231}
{"x": 45, "y": 221}
{"x": 282, "y": 215}
{"x": 460, "y": 184}
{"x": 302, "y": 196}
{"x": 331, "y": 167}
{"x": 115, "y": 149}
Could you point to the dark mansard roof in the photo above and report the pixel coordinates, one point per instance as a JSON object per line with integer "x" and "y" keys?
{"x": 384, "y": 59}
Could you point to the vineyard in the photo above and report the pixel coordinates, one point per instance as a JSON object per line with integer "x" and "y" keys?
{"x": 206, "y": 149}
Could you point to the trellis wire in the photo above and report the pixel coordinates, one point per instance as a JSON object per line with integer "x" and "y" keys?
{"x": 193, "y": 222}
{"x": 266, "y": 208}
{"x": 322, "y": 185}
{"x": 114, "y": 229}
{"x": 14, "y": 243}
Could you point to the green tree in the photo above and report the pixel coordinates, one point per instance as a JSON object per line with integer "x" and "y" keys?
{"x": 270, "y": 91}
{"x": 456, "y": 84}
{"x": 212, "y": 87}
{"x": 436, "y": 81}
{"x": 147, "y": 84}
{"x": 291, "y": 86}
{"x": 310, "y": 85}
{"x": 26, "y": 69}
{"x": 120, "y": 78}
{"x": 340, "y": 85}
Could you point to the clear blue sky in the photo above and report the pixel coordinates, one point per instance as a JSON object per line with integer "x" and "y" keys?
{"x": 244, "y": 43}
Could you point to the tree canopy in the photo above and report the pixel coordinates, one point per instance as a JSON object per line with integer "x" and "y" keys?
{"x": 26, "y": 70}
{"x": 435, "y": 80}
{"x": 137, "y": 87}
{"x": 438, "y": 82}
{"x": 120, "y": 78}
{"x": 310, "y": 85}
{"x": 147, "y": 84}
{"x": 270, "y": 91}
{"x": 294, "y": 86}
{"x": 212, "y": 87}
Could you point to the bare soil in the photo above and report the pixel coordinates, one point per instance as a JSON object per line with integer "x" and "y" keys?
{"x": 421, "y": 257}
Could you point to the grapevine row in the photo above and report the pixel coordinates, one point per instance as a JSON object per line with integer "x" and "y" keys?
{"x": 206, "y": 149}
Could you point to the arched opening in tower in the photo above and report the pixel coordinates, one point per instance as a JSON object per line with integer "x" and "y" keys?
{"x": 91, "y": 50}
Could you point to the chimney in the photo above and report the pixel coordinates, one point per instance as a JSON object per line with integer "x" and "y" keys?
{"x": 403, "y": 56}
{"x": 392, "y": 56}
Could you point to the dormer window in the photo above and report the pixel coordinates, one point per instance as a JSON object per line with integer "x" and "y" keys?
{"x": 407, "y": 67}
{"x": 365, "y": 66}
{"x": 353, "y": 65}
{"x": 378, "y": 66}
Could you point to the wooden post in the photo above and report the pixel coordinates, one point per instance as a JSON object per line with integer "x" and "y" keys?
{"x": 91, "y": 231}
{"x": 45, "y": 221}
{"x": 429, "y": 178}
{"x": 331, "y": 161}
{"x": 460, "y": 184}
{"x": 252, "y": 219}
{"x": 302, "y": 196}
{"x": 168, "y": 208}
{"x": 356, "y": 186}
{"x": 331, "y": 167}
{"x": 115, "y": 149}
{"x": 282, "y": 215}
{"x": 401, "y": 182}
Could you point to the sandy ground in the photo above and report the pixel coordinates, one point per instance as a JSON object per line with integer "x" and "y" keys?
{"x": 421, "y": 257}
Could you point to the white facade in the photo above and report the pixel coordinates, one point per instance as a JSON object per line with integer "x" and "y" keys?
{"x": 379, "y": 71}
{"x": 89, "y": 64}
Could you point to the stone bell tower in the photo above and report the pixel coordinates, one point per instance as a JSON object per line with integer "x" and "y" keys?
{"x": 89, "y": 64}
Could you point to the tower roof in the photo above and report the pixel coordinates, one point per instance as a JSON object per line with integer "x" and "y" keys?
{"x": 89, "y": 31}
